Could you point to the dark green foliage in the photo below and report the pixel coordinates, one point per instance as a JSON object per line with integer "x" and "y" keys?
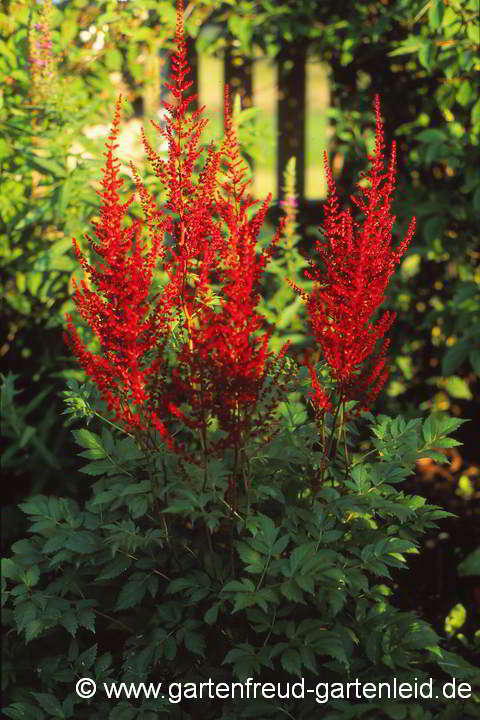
{"x": 155, "y": 579}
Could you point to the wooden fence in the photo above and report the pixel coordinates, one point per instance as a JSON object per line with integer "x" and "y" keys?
{"x": 291, "y": 112}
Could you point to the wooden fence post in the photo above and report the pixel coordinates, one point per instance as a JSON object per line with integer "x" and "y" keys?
{"x": 238, "y": 76}
{"x": 192, "y": 58}
{"x": 291, "y": 112}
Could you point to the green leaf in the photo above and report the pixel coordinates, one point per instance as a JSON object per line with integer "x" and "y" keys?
{"x": 475, "y": 114}
{"x": 306, "y": 583}
{"x": 456, "y": 666}
{"x": 432, "y": 135}
{"x": 135, "y": 488}
{"x": 33, "y": 630}
{"x": 131, "y": 594}
{"x": 31, "y": 576}
{"x": 115, "y": 568}
{"x": 336, "y": 600}
{"x": 448, "y": 424}
{"x": 330, "y": 645}
{"x": 24, "y": 547}
{"x": 291, "y": 591}
{"x": 458, "y": 388}
{"x": 87, "y": 658}
{"x": 435, "y": 13}
{"x": 103, "y": 663}
{"x": 23, "y": 711}
{"x": 69, "y": 622}
{"x": 356, "y": 579}
{"x": 37, "y": 505}
{"x": 9, "y": 569}
{"x": 106, "y": 496}
{"x": 280, "y": 545}
{"x": 238, "y": 653}
{"x": 291, "y": 661}
{"x": 426, "y": 55}
{"x": 87, "y": 439}
{"x": 470, "y": 565}
{"x": 398, "y": 545}
{"x": 49, "y": 703}
{"x": 138, "y": 506}
{"x": 437, "y": 425}
{"x": 248, "y": 555}
{"x": 24, "y": 613}
{"x": 243, "y": 600}
{"x": 181, "y": 584}
{"x": 269, "y": 531}
{"x": 464, "y": 93}
{"x": 429, "y": 429}
{"x": 81, "y": 542}
{"x": 410, "y": 45}
{"x": 447, "y": 442}
{"x": 127, "y": 449}
{"x": 299, "y": 555}
{"x": 472, "y": 31}
{"x": 455, "y": 356}
{"x": 86, "y": 618}
{"x": 211, "y": 615}
{"x": 246, "y": 585}
{"x": 97, "y": 467}
{"x": 57, "y": 541}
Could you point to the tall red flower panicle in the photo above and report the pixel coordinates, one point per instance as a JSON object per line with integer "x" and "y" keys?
{"x": 117, "y": 312}
{"x": 358, "y": 263}
{"x": 221, "y": 366}
{"x": 231, "y": 360}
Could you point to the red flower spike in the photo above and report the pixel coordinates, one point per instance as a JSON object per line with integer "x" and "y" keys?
{"x": 358, "y": 264}
{"x": 220, "y": 367}
{"x": 120, "y": 323}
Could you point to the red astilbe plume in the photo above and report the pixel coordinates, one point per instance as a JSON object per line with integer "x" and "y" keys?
{"x": 358, "y": 262}
{"x": 221, "y": 367}
{"x": 117, "y": 313}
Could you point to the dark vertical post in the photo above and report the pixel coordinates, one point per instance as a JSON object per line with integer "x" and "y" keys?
{"x": 238, "y": 76}
{"x": 192, "y": 58}
{"x": 291, "y": 112}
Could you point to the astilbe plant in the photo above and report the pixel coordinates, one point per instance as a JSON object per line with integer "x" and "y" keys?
{"x": 181, "y": 577}
{"x": 222, "y": 366}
